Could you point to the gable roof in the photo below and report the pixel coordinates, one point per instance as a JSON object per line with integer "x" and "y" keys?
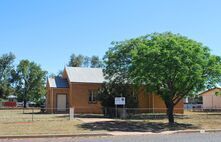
{"x": 85, "y": 75}
{"x": 212, "y": 89}
{"x": 58, "y": 82}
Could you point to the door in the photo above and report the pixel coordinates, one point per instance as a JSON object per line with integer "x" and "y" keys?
{"x": 61, "y": 102}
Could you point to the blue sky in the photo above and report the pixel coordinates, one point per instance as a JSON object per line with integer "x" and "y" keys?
{"x": 49, "y": 31}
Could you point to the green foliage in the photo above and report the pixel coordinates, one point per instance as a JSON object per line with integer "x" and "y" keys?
{"x": 27, "y": 81}
{"x": 31, "y": 81}
{"x": 76, "y": 61}
{"x": 174, "y": 66}
{"x": 6, "y": 67}
{"x": 85, "y": 61}
{"x": 171, "y": 65}
{"x": 96, "y": 62}
{"x": 2, "y": 100}
{"x": 108, "y": 92}
{"x": 218, "y": 93}
{"x": 117, "y": 62}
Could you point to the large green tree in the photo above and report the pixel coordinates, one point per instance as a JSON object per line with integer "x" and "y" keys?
{"x": 6, "y": 67}
{"x": 171, "y": 65}
{"x": 30, "y": 81}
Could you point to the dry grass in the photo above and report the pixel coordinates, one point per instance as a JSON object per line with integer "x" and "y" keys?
{"x": 189, "y": 121}
{"x": 28, "y": 115}
{"x": 203, "y": 120}
{"x": 41, "y": 127}
{"x": 15, "y": 122}
{"x": 200, "y": 120}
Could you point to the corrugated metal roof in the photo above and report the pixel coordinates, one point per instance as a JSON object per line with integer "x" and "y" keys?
{"x": 85, "y": 75}
{"x": 58, "y": 82}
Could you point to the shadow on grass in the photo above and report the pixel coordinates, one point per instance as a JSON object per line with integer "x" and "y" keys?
{"x": 155, "y": 117}
{"x": 130, "y": 126}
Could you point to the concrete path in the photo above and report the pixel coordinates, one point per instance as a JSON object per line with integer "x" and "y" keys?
{"x": 93, "y": 120}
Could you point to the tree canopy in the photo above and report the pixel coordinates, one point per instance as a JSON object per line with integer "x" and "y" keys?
{"x": 76, "y": 60}
{"x": 30, "y": 81}
{"x": 109, "y": 91}
{"x": 6, "y": 67}
{"x": 96, "y": 62}
{"x": 85, "y": 61}
{"x": 171, "y": 65}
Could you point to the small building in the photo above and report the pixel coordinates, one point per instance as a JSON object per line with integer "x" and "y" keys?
{"x": 12, "y": 98}
{"x": 211, "y": 99}
{"x": 12, "y": 101}
{"x": 78, "y": 87}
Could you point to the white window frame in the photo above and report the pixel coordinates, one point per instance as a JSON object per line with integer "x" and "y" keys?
{"x": 91, "y": 95}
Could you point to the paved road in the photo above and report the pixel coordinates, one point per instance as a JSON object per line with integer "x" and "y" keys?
{"x": 196, "y": 137}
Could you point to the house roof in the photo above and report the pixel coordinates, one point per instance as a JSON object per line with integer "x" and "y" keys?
{"x": 58, "y": 82}
{"x": 85, "y": 75}
{"x": 202, "y": 93}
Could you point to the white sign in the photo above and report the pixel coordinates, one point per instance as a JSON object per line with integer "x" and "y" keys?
{"x": 120, "y": 100}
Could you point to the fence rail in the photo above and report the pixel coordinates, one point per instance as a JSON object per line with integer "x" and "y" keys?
{"x": 29, "y": 115}
{"x": 49, "y": 114}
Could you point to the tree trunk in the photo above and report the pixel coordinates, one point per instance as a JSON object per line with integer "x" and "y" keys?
{"x": 170, "y": 116}
{"x": 25, "y": 103}
{"x": 25, "y": 99}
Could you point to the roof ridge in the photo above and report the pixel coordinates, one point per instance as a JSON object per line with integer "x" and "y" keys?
{"x": 84, "y": 68}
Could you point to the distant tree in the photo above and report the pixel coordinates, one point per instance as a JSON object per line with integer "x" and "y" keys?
{"x": 6, "y": 67}
{"x": 52, "y": 75}
{"x": 87, "y": 61}
{"x": 60, "y": 73}
{"x": 76, "y": 61}
{"x": 170, "y": 65}
{"x": 31, "y": 81}
{"x": 96, "y": 62}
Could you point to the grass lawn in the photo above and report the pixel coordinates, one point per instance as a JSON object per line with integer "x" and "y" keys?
{"x": 15, "y": 122}
{"x": 203, "y": 120}
{"x": 200, "y": 120}
{"x": 190, "y": 121}
{"x": 41, "y": 127}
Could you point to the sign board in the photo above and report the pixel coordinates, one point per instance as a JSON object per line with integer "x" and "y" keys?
{"x": 186, "y": 100}
{"x": 119, "y": 100}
